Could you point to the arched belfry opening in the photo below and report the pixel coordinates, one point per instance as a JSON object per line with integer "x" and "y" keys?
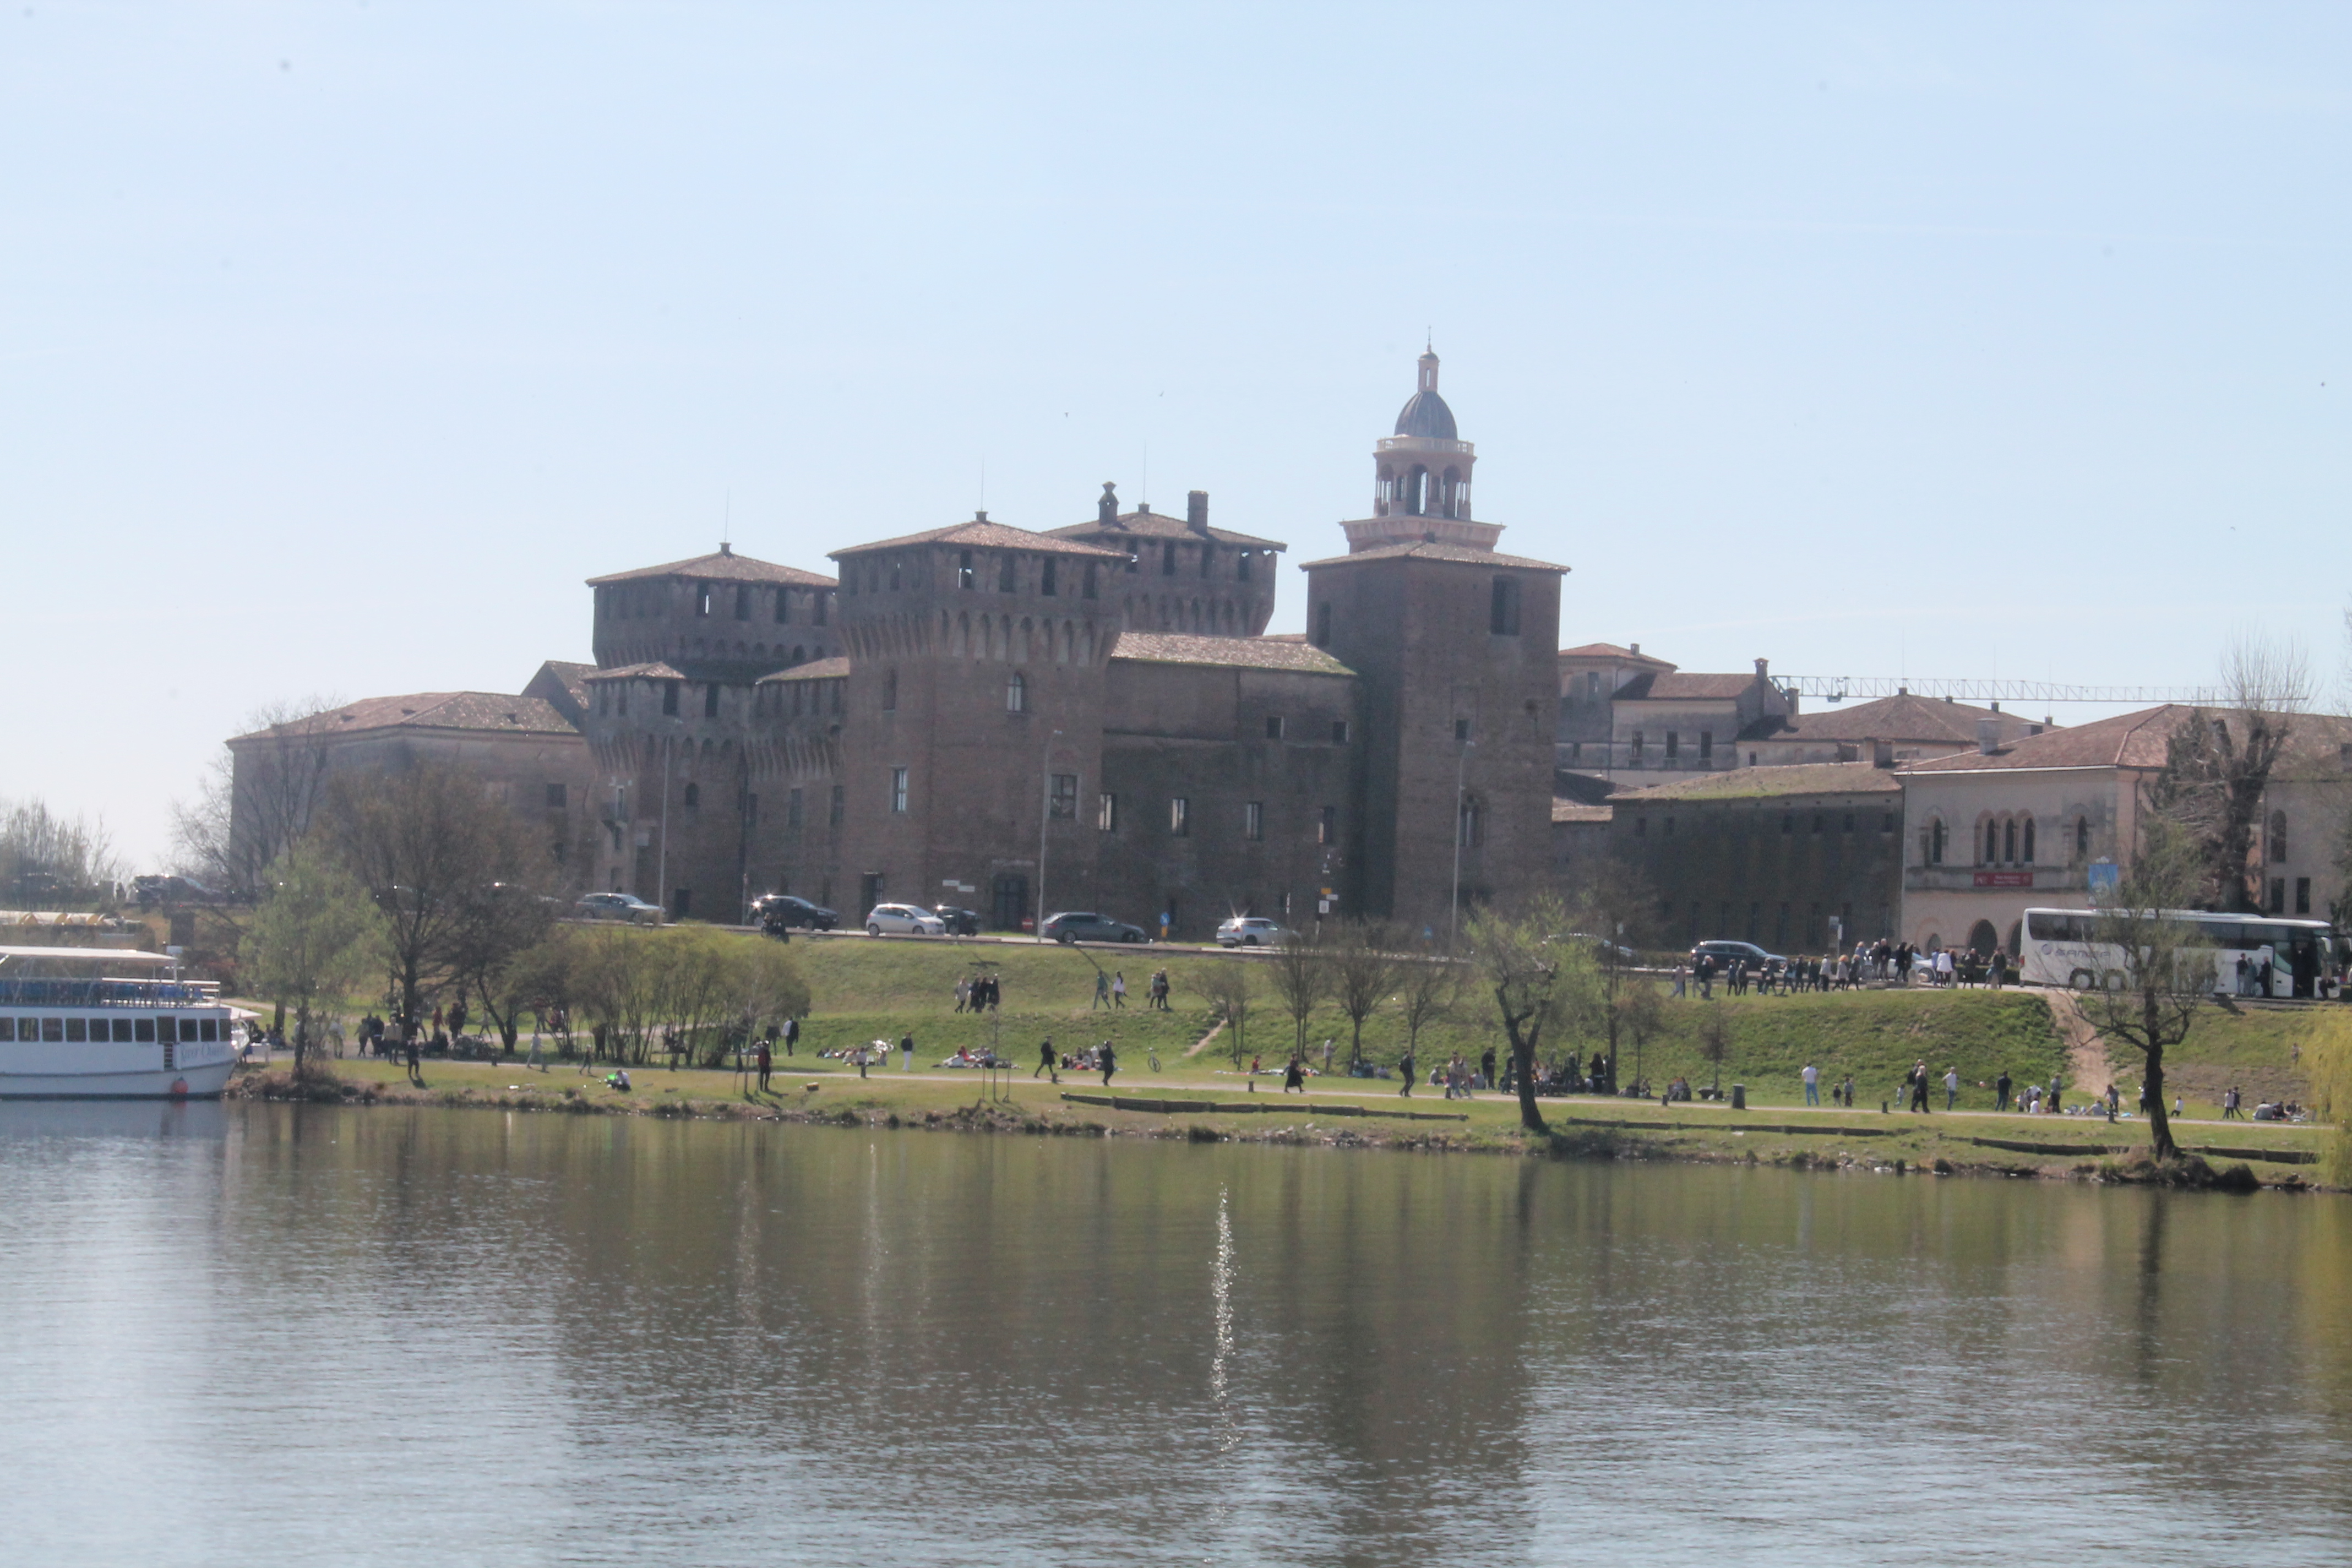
{"x": 1422, "y": 472}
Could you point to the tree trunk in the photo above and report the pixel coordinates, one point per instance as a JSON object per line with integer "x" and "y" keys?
{"x": 1523, "y": 1052}
{"x": 2160, "y": 1123}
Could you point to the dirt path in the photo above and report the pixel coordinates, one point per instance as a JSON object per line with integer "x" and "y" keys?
{"x": 2088, "y": 1070}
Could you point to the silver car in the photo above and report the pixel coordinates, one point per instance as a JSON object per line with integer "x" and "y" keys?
{"x": 1251, "y": 931}
{"x": 904, "y": 920}
{"x": 619, "y": 907}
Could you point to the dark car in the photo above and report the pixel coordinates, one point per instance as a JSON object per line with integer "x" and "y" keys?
{"x": 1723, "y": 952}
{"x": 1079, "y": 926}
{"x": 961, "y": 922}
{"x": 783, "y": 911}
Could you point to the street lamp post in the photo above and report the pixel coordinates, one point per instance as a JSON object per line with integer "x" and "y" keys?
{"x": 1045, "y": 820}
{"x": 1454, "y": 914}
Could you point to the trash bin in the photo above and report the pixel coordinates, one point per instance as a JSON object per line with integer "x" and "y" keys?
{"x": 1739, "y": 1097}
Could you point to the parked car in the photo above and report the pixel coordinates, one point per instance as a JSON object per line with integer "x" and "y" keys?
{"x": 783, "y": 911}
{"x": 151, "y": 891}
{"x": 959, "y": 923}
{"x": 1603, "y": 949}
{"x": 1723, "y": 952}
{"x": 1251, "y": 931}
{"x": 618, "y": 907}
{"x": 904, "y": 920}
{"x": 1076, "y": 925}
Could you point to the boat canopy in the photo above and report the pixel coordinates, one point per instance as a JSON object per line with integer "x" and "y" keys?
{"x": 92, "y": 956}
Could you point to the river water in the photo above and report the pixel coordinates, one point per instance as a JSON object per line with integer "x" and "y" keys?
{"x": 267, "y": 1334}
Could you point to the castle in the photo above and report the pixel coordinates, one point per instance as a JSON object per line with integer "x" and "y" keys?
{"x": 1086, "y": 717}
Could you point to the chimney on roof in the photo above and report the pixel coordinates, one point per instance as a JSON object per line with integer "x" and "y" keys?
{"x": 1636, "y": 648}
{"x": 979, "y": 515}
{"x": 1106, "y": 509}
{"x": 1902, "y": 691}
{"x": 1762, "y": 665}
{"x": 1996, "y": 705}
{"x": 1196, "y": 512}
{"x": 1882, "y": 754}
{"x": 725, "y": 548}
{"x": 1988, "y": 737}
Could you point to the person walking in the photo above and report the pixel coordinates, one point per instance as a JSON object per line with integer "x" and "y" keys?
{"x": 1405, "y": 1071}
{"x": 1119, "y": 991}
{"x": 1102, "y": 991}
{"x": 416, "y": 1057}
{"x": 907, "y": 1052}
{"x": 2000, "y": 1087}
{"x": 1847, "y": 1091}
{"x": 1045, "y": 1062}
{"x": 1919, "y": 1087}
{"x": 763, "y": 1057}
{"x": 1486, "y": 1068}
{"x": 2230, "y": 1104}
{"x": 1812, "y": 1084}
{"x": 1326, "y": 1056}
{"x": 1109, "y": 1059}
{"x": 1294, "y": 1076}
{"x": 1951, "y": 1087}
{"x": 792, "y": 1035}
{"x": 865, "y": 1055}
{"x": 1682, "y": 979}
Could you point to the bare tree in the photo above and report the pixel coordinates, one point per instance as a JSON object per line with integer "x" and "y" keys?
{"x": 430, "y": 845}
{"x": 256, "y": 801}
{"x": 1538, "y": 983}
{"x": 2161, "y": 979}
{"x": 1364, "y": 967}
{"x": 1612, "y": 914}
{"x": 1427, "y": 990}
{"x": 499, "y": 926}
{"x": 53, "y": 862}
{"x": 2218, "y": 767}
{"x": 1231, "y": 988}
{"x": 1638, "y": 1012}
{"x": 1301, "y": 972}
{"x": 1715, "y": 1041}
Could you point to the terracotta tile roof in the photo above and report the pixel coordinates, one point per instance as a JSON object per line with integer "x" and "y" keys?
{"x": 727, "y": 567}
{"x": 1671, "y": 686}
{"x": 984, "y": 536}
{"x": 832, "y": 668}
{"x": 1577, "y": 811}
{"x": 1900, "y": 718}
{"x": 654, "y": 671}
{"x": 1610, "y": 650}
{"x": 1160, "y": 525}
{"x": 1421, "y": 549}
{"x": 1250, "y": 653}
{"x": 478, "y": 711}
{"x": 574, "y": 677}
{"x": 1745, "y": 783}
{"x": 2138, "y": 741}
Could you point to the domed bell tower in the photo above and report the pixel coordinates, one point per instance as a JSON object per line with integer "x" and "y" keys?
{"x": 1421, "y": 490}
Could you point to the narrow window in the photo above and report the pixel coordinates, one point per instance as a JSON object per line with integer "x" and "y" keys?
{"x": 2303, "y": 895}
{"x": 1503, "y": 616}
{"x": 1088, "y": 588}
{"x": 1673, "y": 744}
{"x": 1168, "y": 559}
{"x": 824, "y": 601}
{"x": 1253, "y": 820}
{"x": 1339, "y": 732}
{"x": 1327, "y": 825}
{"x": 1106, "y": 811}
{"x": 743, "y": 601}
{"x": 1274, "y": 726}
{"x": 1936, "y": 842}
{"x": 702, "y": 599}
{"x": 898, "y": 790}
{"x": 1635, "y": 750}
{"x": 1179, "y": 817}
{"x": 555, "y": 792}
{"x": 2278, "y": 895}
{"x": 2009, "y": 842}
{"x": 1062, "y": 798}
{"x": 710, "y": 701}
{"x": 966, "y": 578}
{"x": 1017, "y": 693}
{"x": 1046, "y": 577}
{"x": 1004, "y": 579}
{"x": 1323, "y": 624}
{"x": 2028, "y": 856}
{"x": 889, "y": 690}
{"x": 1707, "y": 745}
{"x": 1241, "y": 567}
{"x": 895, "y": 565}
{"x": 1462, "y": 732}
{"x": 669, "y": 697}
{"x": 2278, "y": 837}
{"x": 783, "y": 607}
{"x": 2082, "y": 837}
{"x": 840, "y": 804}
{"x": 693, "y": 797}
{"x": 1207, "y": 553}
{"x": 1670, "y": 828}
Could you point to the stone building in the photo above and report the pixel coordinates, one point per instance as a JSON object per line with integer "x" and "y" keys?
{"x": 1088, "y": 716}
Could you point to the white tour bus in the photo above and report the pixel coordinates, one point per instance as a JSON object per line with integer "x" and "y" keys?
{"x": 2254, "y": 955}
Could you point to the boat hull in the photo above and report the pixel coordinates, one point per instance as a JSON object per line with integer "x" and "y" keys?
{"x": 198, "y": 1082}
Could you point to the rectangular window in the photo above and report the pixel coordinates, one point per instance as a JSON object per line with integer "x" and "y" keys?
{"x": 1673, "y": 744}
{"x": 555, "y": 792}
{"x": 669, "y": 698}
{"x": 710, "y": 701}
{"x": 53, "y": 1030}
{"x": 1339, "y": 732}
{"x": 2303, "y": 895}
{"x": 1253, "y": 819}
{"x": 1168, "y": 559}
{"x": 1323, "y": 624}
{"x": 1179, "y": 813}
{"x": 1461, "y": 728}
{"x": 889, "y": 690}
{"x": 898, "y": 790}
{"x": 1503, "y": 616}
{"x": 1327, "y": 825}
{"x": 1241, "y": 567}
{"x": 2278, "y": 895}
{"x": 783, "y": 607}
{"x": 702, "y": 599}
{"x": 1062, "y": 799}
{"x": 1707, "y": 745}
{"x": 966, "y": 578}
{"x": 1207, "y": 552}
{"x": 1089, "y": 588}
{"x": 1046, "y": 577}
{"x": 793, "y": 811}
{"x": 7, "y": 1030}
{"x": 1106, "y": 811}
{"x": 1004, "y": 581}
{"x": 1634, "y": 750}
{"x": 840, "y": 804}
{"x": 74, "y": 1032}
{"x": 822, "y": 600}
{"x": 1274, "y": 726}
{"x": 743, "y": 601}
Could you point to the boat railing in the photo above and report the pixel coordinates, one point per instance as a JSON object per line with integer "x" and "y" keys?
{"x": 101, "y": 994}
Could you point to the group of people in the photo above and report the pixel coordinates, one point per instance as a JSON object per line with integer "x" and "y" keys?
{"x": 1102, "y": 1058}
{"x": 1867, "y": 963}
{"x": 975, "y": 992}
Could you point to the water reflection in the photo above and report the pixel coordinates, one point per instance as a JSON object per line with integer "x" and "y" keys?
{"x": 389, "y": 1335}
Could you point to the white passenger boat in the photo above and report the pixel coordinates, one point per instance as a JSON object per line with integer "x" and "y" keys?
{"x": 99, "y": 1024}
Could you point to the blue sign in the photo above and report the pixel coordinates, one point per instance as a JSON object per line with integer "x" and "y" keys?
{"x": 2105, "y": 875}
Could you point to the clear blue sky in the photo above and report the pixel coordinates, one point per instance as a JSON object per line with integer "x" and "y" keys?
{"x": 341, "y": 342}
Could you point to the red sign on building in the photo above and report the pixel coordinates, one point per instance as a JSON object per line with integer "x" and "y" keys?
{"x": 2004, "y": 878}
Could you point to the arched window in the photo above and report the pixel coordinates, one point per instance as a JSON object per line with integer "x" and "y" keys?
{"x": 1991, "y": 843}
{"x": 2278, "y": 837}
{"x": 1452, "y": 489}
{"x": 2029, "y": 841}
{"x": 2009, "y": 841}
{"x": 1017, "y": 693}
{"x": 2082, "y": 838}
{"x": 1936, "y": 842}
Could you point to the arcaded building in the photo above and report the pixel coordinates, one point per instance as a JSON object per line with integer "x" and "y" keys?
{"x": 1092, "y": 716}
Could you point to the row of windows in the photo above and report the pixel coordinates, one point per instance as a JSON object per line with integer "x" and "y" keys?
{"x": 2004, "y": 839}
{"x": 1062, "y": 805}
{"x": 1638, "y": 744}
{"x": 1821, "y": 822}
{"x": 1502, "y": 613}
{"x": 638, "y": 601}
{"x": 126, "y": 1031}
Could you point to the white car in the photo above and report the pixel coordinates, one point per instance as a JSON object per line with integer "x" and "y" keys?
{"x": 1251, "y": 931}
{"x": 904, "y": 919}
{"x": 619, "y": 907}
